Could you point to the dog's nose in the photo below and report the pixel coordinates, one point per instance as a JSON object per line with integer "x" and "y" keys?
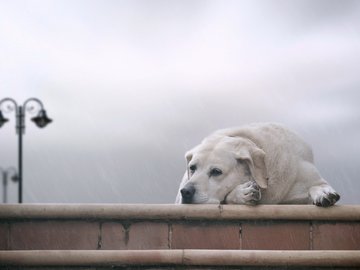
{"x": 187, "y": 193}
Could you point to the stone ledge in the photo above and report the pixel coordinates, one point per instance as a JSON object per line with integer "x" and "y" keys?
{"x": 179, "y": 212}
{"x": 171, "y": 227}
{"x": 181, "y": 258}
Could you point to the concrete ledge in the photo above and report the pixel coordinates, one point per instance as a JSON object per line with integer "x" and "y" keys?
{"x": 180, "y": 258}
{"x": 179, "y": 212}
{"x": 174, "y": 227}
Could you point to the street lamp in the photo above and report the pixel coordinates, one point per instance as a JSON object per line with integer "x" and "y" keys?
{"x": 41, "y": 120}
{"x": 11, "y": 171}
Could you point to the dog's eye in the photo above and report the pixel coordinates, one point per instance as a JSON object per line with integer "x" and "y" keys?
{"x": 215, "y": 172}
{"x": 192, "y": 168}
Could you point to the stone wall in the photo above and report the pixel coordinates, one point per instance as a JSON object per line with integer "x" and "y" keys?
{"x": 178, "y": 227}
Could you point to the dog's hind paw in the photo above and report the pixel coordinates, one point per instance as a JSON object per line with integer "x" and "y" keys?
{"x": 324, "y": 196}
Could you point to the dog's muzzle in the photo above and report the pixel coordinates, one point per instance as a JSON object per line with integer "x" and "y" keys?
{"x": 187, "y": 193}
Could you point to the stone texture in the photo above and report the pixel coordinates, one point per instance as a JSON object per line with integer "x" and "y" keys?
{"x": 54, "y": 235}
{"x": 276, "y": 236}
{"x": 148, "y": 235}
{"x": 4, "y": 236}
{"x": 113, "y": 236}
{"x": 205, "y": 236}
{"x": 336, "y": 236}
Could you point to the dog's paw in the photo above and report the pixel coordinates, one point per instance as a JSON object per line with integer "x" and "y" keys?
{"x": 327, "y": 200}
{"x": 248, "y": 193}
{"x": 324, "y": 196}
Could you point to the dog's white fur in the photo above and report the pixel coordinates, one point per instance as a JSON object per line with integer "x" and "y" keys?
{"x": 259, "y": 163}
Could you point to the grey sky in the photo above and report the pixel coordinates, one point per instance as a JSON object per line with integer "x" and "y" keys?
{"x": 132, "y": 85}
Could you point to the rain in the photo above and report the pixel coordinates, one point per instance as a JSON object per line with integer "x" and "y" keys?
{"x": 132, "y": 85}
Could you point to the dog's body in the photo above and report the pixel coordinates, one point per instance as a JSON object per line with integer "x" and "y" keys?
{"x": 258, "y": 163}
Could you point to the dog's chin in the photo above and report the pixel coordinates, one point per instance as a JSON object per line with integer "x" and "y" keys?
{"x": 213, "y": 201}
{"x": 201, "y": 201}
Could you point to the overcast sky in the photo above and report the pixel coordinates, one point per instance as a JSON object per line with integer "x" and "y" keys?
{"x": 132, "y": 85}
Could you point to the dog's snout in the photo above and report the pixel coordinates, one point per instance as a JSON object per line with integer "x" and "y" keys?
{"x": 187, "y": 193}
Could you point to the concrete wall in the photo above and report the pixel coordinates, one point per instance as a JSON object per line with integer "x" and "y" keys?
{"x": 131, "y": 234}
{"x": 66, "y": 230}
{"x": 184, "y": 227}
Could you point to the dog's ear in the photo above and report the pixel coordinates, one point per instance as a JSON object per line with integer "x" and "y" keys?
{"x": 255, "y": 159}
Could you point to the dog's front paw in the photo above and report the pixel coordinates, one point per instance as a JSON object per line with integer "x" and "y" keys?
{"x": 324, "y": 195}
{"x": 327, "y": 199}
{"x": 248, "y": 193}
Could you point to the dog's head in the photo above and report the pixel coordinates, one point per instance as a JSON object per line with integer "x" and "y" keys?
{"x": 218, "y": 165}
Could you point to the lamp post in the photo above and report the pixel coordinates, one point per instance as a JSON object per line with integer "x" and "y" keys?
{"x": 5, "y": 174}
{"x": 41, "y": 120}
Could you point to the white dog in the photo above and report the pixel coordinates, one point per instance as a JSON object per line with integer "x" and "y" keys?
{"x": 258, "y": 163}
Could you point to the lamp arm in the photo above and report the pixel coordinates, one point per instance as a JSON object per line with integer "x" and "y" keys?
{"x": 12, "y": 173}
{"x": 11, "y": 170}
{"x": 31, "y": 109}
{"x": 8, "y": 108}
